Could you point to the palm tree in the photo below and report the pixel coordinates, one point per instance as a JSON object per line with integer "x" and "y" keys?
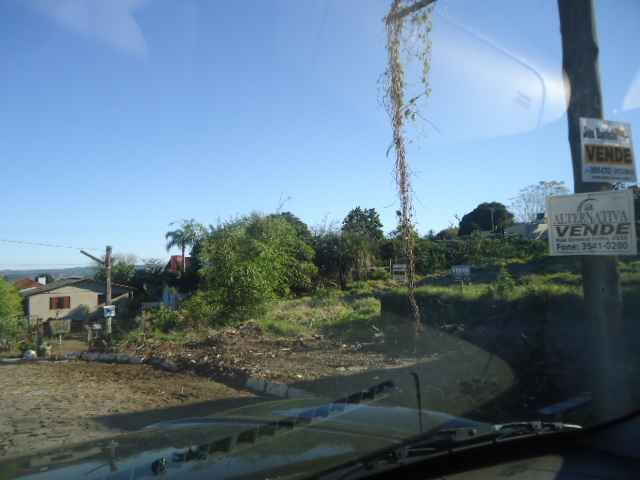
{"x": 186, "y": 236}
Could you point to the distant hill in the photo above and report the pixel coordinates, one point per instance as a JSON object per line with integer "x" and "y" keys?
{"x": 13, "y": 275}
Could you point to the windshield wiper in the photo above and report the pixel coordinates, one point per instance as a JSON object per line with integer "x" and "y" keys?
{"x": 443, "y": 440}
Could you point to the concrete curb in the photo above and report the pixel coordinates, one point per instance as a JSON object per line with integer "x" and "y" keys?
{"x": 280, "y": 390}
{"x": 253, "y": 384}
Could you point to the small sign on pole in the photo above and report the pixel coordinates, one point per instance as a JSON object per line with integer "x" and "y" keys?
{"x": 461, "y": 272}
{"x": 606, "y": 151}
{"x": 399, "y": 272}
{"x": 109, "y": 311}
{"x": 597, "y": 223}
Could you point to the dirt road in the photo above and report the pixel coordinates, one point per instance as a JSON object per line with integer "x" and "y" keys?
{"x": 45, "y": 405}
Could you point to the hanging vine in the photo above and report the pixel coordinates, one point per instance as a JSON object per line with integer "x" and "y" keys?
{"x": 418, "y": 14}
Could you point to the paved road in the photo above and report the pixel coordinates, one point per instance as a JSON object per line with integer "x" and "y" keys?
{"x": 46, "y": 405}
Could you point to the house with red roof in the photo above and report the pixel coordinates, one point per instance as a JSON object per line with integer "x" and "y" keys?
{"x": 177, "y": 265}
{"x": 24, "y": 284}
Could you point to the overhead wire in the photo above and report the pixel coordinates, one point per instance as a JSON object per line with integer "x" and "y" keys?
{"x": 46, "y": 244}
{"x": 8, "y": 266}
{"x": 13, "y": 265}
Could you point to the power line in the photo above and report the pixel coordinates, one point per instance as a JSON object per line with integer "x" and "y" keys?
{"x": 45, "y": 244}
{"x": 78, "y": 265}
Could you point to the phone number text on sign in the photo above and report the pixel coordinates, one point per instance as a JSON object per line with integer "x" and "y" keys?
{"x": 620, "y": 245}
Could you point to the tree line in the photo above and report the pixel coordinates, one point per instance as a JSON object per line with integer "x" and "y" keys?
{"x": 240, "y": 265}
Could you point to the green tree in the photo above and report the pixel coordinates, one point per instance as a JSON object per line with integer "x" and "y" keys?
{"x": 328, "y": 259}
{"x": 390, "y": 249}
{"x": 432, "y": 256}
{"x": 290, "y": 253}
{"x": 360, "y": 240}
{"x": 123, "y": 269}
{"x": 150, "y": 279}
{"x": 253, "y": 260}
{"x": 358, "y": 254}
{"x": 393, "y": 249}
{"x": 10, "y": 310}
{"x": 363, "y": 222}
{"x": 491, "y": 217}
{"x": 186, "y": 236}
{"x": 338, "y": 255}
{"x": 447, "y": 234}
{"x": 301, "y": 228}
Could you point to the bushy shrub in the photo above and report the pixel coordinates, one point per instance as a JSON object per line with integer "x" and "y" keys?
{"x": 200, "y": 310}
{"x": 252, "y": 261}
{"x": 324, "y": 296}
{"x": 12, "y": 329}
{"x": 165, "y": 320}
{"x": 379, "y": 274}
{"x": 11, "y": 326}
{"x": 433, "y": 256}
{"x": 504, "y": 284}
{"x": 360, "y": 288}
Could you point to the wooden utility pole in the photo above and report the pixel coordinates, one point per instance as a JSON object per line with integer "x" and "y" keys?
{"x": 600, "y": 277}
{"x": 107, "y": 302}
{"x": 107, "y": 265}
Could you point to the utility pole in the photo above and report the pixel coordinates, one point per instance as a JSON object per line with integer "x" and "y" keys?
{"x": 107, "y": 302}
{"x": 106, "y": 263}
{"x": 493, "y": 228}
{"x": 600, "y": 277}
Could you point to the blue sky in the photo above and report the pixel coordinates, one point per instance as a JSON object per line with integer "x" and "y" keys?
{"x": 119, "y": 117}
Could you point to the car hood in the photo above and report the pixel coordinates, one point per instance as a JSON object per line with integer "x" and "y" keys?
{"x": 284, "y": 438}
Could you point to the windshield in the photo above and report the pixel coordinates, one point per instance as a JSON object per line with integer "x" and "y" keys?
{"x": 383, "y": 217}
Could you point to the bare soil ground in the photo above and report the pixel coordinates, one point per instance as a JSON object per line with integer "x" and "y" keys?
{"x": 456, "y": 376}
{"x": 51, "y": 404}
{"x": 248, "y": 351}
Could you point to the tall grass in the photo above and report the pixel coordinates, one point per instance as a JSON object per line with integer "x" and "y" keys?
{"x": 348, "y": 316}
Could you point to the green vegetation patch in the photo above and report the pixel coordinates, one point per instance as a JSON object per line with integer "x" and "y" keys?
{"x": 331, "y": 313}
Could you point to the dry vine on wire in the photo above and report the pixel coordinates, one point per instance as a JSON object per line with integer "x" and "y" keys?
{"x": 418, "y": 17}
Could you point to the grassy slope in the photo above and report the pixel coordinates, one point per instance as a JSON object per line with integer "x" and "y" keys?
{"x": 550, "y": 286}
{"x": 347, "y": 316}
{"x": 354, "y": 315}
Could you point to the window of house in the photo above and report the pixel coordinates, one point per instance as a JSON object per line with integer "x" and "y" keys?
{"x": 56, "y": 303}
{"x": 101, "y": 298}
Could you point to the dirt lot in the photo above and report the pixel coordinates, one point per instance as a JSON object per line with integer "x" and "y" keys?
{"x": 457, "y": 376}
{"x": 47, "y": 404}
{"x": 50, "y": 404}
{"x": 247, "y": 351}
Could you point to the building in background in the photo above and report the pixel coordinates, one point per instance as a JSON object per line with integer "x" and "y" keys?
{"x": 26, "y": 284}
{"x": 175, "y": 264}
{"x": 77, "y": 299}
{"x": 536, "y": 230}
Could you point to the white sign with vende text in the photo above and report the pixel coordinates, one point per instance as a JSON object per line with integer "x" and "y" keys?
{"x": 598, "y": 223}
{"x": 607, "y": 151}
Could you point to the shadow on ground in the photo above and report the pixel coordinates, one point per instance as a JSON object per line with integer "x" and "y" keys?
{"x": 137, "y": 420}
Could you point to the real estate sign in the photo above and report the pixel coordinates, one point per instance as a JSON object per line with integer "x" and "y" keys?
{"x": 607, "y": 151}
{"x": 598, "y": 223}
{"x": 461, "y": 272}
{"x": 399, "y": 272}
